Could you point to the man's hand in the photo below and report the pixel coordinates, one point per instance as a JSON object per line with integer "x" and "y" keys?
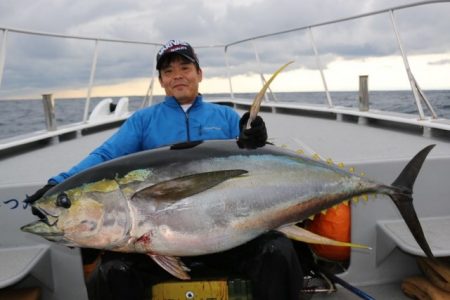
{"x": 39, "y": 193}
{"x": 255, "y": 136}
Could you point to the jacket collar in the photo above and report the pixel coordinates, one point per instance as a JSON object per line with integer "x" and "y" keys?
{"x": 172, "y": 102}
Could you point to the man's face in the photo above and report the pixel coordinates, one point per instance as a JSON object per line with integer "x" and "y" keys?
{"x": 180, "y": 79}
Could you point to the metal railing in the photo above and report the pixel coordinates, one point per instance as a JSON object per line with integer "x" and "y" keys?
{"x": 96, "y": 40}
{"x": 419, "y": 95}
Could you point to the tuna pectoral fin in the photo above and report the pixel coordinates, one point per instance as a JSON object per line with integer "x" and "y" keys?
{"x": 173, "y": 265}
{"x": 185, "y": 186}
{"x": 401, "y": 194}
{"x": 302, "y": 235}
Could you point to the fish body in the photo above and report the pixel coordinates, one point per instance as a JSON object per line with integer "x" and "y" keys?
{"x": 172, "y": 202}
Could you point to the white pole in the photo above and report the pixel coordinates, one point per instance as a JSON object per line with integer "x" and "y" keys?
{"x": 319, "y": 66}
{"x": 3, "y": 54}
{"x": 91, "y": 82}
{"x": 228, "y": 72}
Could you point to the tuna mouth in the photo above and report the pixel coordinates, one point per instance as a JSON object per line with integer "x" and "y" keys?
{"x": 44, "y": 216}
{"x": 45, "y": 229}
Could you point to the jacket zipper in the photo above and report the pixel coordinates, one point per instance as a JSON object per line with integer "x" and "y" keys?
{"x": 186, "y": 114}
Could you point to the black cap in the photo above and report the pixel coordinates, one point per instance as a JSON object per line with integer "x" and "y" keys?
{"x": 178, "y": 47}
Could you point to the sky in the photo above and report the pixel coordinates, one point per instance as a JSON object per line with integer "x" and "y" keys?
{"x": 39, "y": 65}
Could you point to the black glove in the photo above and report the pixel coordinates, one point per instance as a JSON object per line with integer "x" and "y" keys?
{"x": 39, "y": 193}
{"x": 255, "y": 136}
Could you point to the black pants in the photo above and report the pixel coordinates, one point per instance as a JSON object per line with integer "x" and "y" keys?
{"x": 269, "y": 261}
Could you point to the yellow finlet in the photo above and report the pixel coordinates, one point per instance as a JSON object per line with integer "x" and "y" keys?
{"x": 315, "y": 156}
{"x": 341, "y": 165}
{"x": 300, "y": 234}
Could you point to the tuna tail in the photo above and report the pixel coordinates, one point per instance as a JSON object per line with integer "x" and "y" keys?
{"x": 402, "y": 197}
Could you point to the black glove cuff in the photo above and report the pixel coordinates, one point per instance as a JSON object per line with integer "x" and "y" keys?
{"x": 39, "y": 193}
{"x": 255, "y": 136}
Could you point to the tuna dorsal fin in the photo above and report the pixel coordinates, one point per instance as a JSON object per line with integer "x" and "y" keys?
{"x": 185, "y": 186}
{"x": 300, "y": 234}
{"x": 173, "y": 265}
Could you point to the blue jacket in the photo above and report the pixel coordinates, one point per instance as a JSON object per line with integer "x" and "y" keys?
{"x": 163, "y": 124}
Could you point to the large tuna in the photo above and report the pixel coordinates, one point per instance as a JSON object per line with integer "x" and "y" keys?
{"x": 173, "y": 202}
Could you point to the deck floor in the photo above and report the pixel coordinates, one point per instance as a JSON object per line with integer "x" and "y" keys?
{"x": 342, "y": 141}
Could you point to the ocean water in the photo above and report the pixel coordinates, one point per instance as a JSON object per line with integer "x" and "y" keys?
{"x": 25, "y": 116}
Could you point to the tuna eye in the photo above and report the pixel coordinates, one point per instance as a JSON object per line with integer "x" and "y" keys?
{"x": 63, "y": 201}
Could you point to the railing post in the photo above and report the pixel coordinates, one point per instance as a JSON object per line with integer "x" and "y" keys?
{"x": 263, "y": 80}
{"x": 319, "y": 66}
{"x": 258, "y": 62}
{"x": 49, "y": 111}
{"x": 148, "y": 99}
{"x": 3, "y": 54}
{"x": 417, "y": 92}
{"x": 363, "y": 93}
{"x": 228, "y": 72}
{"x": 91, "y": 82}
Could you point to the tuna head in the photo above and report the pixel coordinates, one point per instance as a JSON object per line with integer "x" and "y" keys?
{"x": 92, "y": 215}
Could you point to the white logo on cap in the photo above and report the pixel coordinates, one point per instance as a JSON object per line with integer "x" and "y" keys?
{"x": 172, "y": 44}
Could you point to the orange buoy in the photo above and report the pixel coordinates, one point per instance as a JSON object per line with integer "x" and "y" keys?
{"x": 334, "y": 224}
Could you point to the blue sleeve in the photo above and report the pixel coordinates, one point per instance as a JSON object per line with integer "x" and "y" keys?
{"x": 234, "y": 120}
{"x": 128, "y": 139}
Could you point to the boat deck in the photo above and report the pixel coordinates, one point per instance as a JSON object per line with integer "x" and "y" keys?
{"x": 378, "y": 149}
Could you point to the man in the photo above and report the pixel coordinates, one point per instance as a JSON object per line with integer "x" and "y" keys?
{"x": 185, "y": 117}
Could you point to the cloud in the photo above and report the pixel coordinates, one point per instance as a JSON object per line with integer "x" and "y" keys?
{"x": 45, "y": 64}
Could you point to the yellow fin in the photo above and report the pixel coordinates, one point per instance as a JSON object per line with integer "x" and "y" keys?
{"x": 300, "y": 151}
{"x": 300, "y": 234}
{"x": 355, "y": 199}
{"x": 341, "y": 165}
{"x": 365, "y": 197}
{"x": 254, "y": 109}
{"x": 312, "y": 217}
{"x": 329, "y": 161}
{"x": 351, "y": 169}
